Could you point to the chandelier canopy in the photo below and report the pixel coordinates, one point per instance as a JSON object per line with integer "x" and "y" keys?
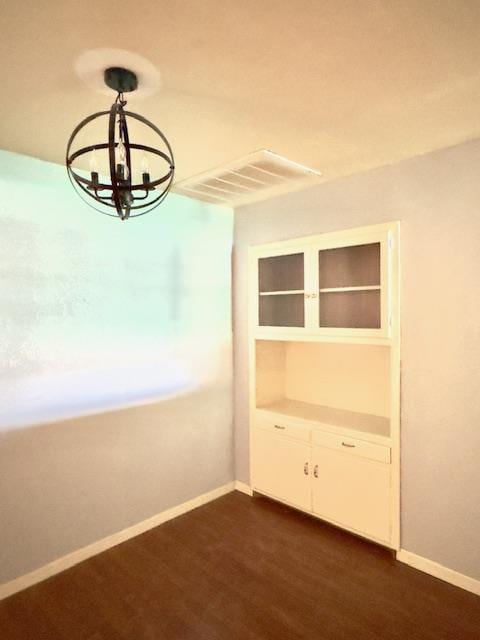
{"x": 119, "y": 191}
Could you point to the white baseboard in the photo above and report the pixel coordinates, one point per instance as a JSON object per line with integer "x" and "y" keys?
{"x": 244, "y": 488}
{"x": 65, "y": 562}
{"x": 439, "y": 571}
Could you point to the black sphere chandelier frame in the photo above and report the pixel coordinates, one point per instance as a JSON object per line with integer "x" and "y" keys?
{"x": 119, "y": 194}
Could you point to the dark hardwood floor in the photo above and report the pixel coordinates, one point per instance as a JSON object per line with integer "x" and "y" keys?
{"x": 241, "y": 569}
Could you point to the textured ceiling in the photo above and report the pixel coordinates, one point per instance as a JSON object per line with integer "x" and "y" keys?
{"x": 340, "y": 85}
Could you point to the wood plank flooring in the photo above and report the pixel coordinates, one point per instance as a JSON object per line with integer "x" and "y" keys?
{"x": 242, "y": 569}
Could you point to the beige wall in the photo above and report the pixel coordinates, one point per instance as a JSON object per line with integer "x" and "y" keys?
{"x": 97, "y": 315}
{"x": 67, "y": 484}
{"x": 437, "y": 199}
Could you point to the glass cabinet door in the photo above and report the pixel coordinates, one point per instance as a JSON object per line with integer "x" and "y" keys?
{"x": 281, "y": 290}
{"x": 349, "y": 280}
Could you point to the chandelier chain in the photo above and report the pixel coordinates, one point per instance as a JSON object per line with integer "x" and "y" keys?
{"x": 120, "y": 99}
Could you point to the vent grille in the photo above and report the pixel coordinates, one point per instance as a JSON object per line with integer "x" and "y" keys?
{"x": 257, "y": 176}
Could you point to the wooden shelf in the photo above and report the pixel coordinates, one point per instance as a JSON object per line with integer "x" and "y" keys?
{"x": 346, "y": 289}
{"x": 376, "y": 427}
{"x": 281, "y": 293}
{"x": 299, "y": 334}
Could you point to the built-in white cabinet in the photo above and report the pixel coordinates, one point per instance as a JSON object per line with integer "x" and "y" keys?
{"x": 343, "y": 480}
{"x": 325, "y": 377}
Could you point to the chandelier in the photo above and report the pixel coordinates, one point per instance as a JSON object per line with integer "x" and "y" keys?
{"x": 119, "y": 191}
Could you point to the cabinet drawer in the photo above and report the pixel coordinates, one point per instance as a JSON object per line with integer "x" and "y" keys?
{"x": 283, "y": 428}
{"x": 352, "y": 445}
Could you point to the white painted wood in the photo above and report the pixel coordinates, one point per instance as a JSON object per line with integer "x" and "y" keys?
{"x": 254, "y": 258}
{"x": 280, "y": 293}
{"x": 310, "y": 247}
{"x": 352, "y": 446}
{"x": 366, "y": 288}
{"x": 291, "y": 334}
{"x": 311, "y": 289}
{"x": 65, "y": 562}
{"x": 439, "y": 571}
{"x": 270, "y": 372}
{"x": 329, "y": 240}
{"x": 315, "y": 426}
{"x": 329, "y": 417}
{"x": 394, "y": 306}
{"x": 349, "y": 239}
{"x": 352, "y": 491}
{"x": 281, "y": 468}
{"x": 354, "y": 377}
{"x": 345, "y": 376}
{"x": 381, "y": 524}
{"x": 283, "y": 428}
{"x": 243, "y": 488}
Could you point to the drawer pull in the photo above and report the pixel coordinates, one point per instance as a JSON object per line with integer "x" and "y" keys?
{"x": 350, "y": 446}
{"x": 277, "y": 426}
{"x": 305, "y": 468}
{"x": 315, "y": 471}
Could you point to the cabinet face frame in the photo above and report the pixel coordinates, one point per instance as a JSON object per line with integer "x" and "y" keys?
{"x": 390, "y": 274}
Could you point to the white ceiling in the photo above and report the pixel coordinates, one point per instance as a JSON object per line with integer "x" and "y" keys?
{"x": 339, "y": 85}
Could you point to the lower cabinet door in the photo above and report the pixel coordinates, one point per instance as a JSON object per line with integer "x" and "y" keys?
{"x": 281, "y": 468}
{"x": 352, "y": 491}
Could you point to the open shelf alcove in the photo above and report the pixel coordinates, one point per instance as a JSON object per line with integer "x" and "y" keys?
{"x": 341, "y": 386}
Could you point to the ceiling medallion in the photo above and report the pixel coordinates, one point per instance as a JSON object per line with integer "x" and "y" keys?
{"x": 117, "y": 193}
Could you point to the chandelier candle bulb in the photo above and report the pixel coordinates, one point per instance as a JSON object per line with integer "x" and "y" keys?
{"x": 94, "y": 170}
{"x": 94, "y": 162}
{"x": 145, "y": 170}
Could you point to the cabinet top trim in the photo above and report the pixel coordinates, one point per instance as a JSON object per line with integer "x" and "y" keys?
{"x": 327, "y": 237}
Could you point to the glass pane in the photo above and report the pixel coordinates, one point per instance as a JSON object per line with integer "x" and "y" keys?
{"x": 282, "y": 311}
{"x": 350, "y": 309}
{"x": 349, "y": 266}
{"x": 281, "y": 273}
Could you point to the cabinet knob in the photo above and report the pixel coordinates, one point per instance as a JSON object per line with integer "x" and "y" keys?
{"x": 305, "y": 468}
{"x": 315, "y": 471}
{"x": 307, "y": 295}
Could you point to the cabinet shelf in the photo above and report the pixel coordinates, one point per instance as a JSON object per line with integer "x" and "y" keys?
{"x": 281, "y": 293}
{"x": 346, "y": 289}
{"x": 353, "y": 422}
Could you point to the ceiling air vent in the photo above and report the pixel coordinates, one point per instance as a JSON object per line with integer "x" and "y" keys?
{"x": 257, "y": 176}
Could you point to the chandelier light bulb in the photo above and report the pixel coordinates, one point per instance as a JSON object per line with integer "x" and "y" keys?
{"x": 94, "y": 162}
{"x": 121, "y": 152}
{"x": 122, "y": 160}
